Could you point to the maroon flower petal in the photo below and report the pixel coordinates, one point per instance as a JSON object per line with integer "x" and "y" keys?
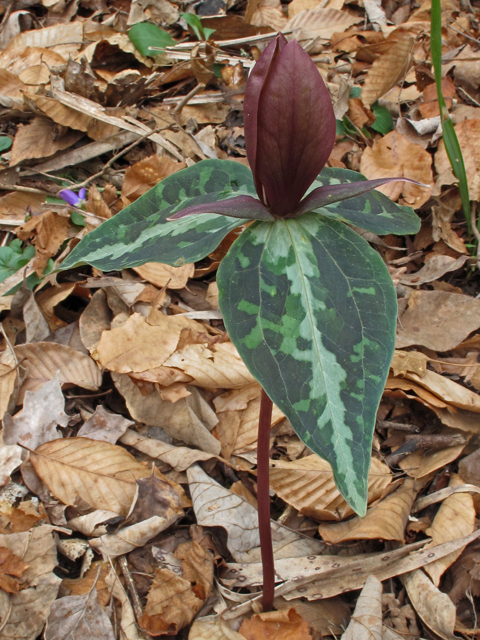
{"x": 324, "y": 196}
{"x": 244, "y": 207}
{"x": 289, "y": 125}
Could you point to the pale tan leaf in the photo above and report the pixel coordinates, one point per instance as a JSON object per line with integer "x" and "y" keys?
{"x": 366, "y": 622}
{"x": 420, "y": 463}
{"x": 217, "y": 367}
{"x": 38, "y": 74}
{"x": 102, "y": 474}
{"x": 448, "y": 390}
{"x": 468, "y": 134}
{"x": 265, "y": 13}
{"x": 137, "y": 535}
{"x": 136, "y": 346}
{"x": 434, "y": 607}
{"x": 61, "y": 114}
{"x": 36, "y": 326}
{"x": 77, "y": 618}
{"x": 104, "y": 426}
{"x": 162, "y": 274}
{"x": 93, "y": 524}
{"x": 443, "y": 331}
{"x": 320, "y": 23}
{"x": 307, "y": 485}
{"x": 8, "y": 378}
{"x": 23, "y": 614}
{"x": 190, "y": 419}
{"x": 13, "y": 206}
{"x": 10, "y": 85}
{"x": 413, "y": 361}
{"x": 387, "y": 520}
{"x": 179, "y": 458}
{"x": 128, "y": 622}
{"x": 94, "y": 320}
{"x": 455, "y": 519}
{"x": 212, "y": 628}
{"x": 10, "y": 459}
{"x": 393, "y": 156}
{"x": 217, "y": 507}
{"x": 70, "y": 33}
{"x": 43, "y": 360}
{"x": 389, "y": 68}
{"x": 297, "y": 6}
{"x": 40, "y": 139}
{"x": 436, "y": 265}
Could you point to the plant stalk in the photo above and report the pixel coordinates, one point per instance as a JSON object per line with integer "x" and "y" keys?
{"x": 263, "y": 497}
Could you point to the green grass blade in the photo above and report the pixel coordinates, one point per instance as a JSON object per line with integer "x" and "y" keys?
{"x": 452, "y": 146}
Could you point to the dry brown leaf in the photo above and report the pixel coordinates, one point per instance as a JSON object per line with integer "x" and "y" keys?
{"x": 102, "y": 474}
{"x": 307, "y": 485}
{"x": 393, "y": 156}
{"x": 93, "y": 524}
{"x": 41, "y": 139}
{"x": 449, "y": 391}
{"x": 96, "y": 204}
{"x": 265, "y": 13}
{"x": 112, "y": 545}
{"x": 82, "y": 586}
{"x": 420, "y": 464}
{"x": 443, "y": 331}
{"x": 136, "y": 346}
{"x": 212, "y": 628}
{"x": 10, "y": 459}
{"x": 156, "y": 497}
{"x": 77, "y": 618}
{"x": 284, "y": 625}
{"x": 436, "y": 265}
{"x": 38, "y": 74}
{"x": 455, "y": 519}
{"x": 190, "y": 419}
{"x": 238, "y": 412}
{"x": 14, "y": 206}
{"x": 162, "y": 275}
{"x": 434, "y": 607}
{"x": 327, "y": 618}
{"x": 301, "y": 5}
{"x": 8, "y": 378}
{"x": 366, "y": 622}
{"x": 179, "y": 458}
{"x": 320, "y": 23}
{"x": 61, "y": 114}
{"x": 10, "y": 85}
{"x": 389, "y": 68}
{"x": 37, "y": 422}
{"x": 47, "y": 300}
{"x": 47, "y": 232}
{"x": 386, "y": 520}
{"x": 94, "y": 320}
{"x": 11, "y": 569}
{"x": 468, "y": 134}
{"x": 18, "y": 519}
{"x": 60, "y": 34}
{"x": 146, "y": 173}
{"x": 104, "y": 426}
{"x": 219, "y": 366}
{"x": 409, "y": 361}
{"x": 43, "y": 360}
{"x": 24, "y": 613}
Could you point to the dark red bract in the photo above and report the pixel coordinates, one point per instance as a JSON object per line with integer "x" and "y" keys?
{"x": 289, "y": 125}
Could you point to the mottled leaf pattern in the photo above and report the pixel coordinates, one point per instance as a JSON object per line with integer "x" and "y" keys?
{"x": 140, "y": 233}
{"x": 372, "y": 211}
{"x": 312, "y": 310}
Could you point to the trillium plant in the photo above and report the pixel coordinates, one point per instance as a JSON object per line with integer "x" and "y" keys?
{"x": 307, "y": 302}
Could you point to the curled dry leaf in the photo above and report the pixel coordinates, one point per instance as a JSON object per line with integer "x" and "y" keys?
{"x": 24, "y": 613}
{"x": 386, "y": 520}
{"x": 102, "y": 474}
{"x": 215, "y": 506}
{"x": 389, "y": 68}
{"x": 394, "y": 156}
{"x": 307, "y": 485}
{"x": 190, "y": 419}
{"x": 455, "y": 519}
{"x": 162, "y": 275}
{"x": 434, "y": 607}
{"x": 77, "y": 618}
{"x": 284, "y": 625}
{"x": 37, "y": 423}
{"x": 43, "y": 360}
{"x": 173, "y": 599}
{"x": 366, "y": 622}
{"x": 112, "y": 545}
{"x": 47, "y": 232}
{"x": 468, "y": 134}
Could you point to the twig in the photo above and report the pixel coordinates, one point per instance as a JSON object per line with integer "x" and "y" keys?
{"x": 17, "y": 187}
{"x": 188, "y": 97}
{"x": 118, "y": 155}
{"x": 132, "y": 590}
{"x": 263, "y": 497}
{"x": 464, "y": 35}
{"x": 400, "y": 426}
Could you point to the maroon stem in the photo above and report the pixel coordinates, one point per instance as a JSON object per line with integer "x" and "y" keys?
{"x": 263, "y": 496}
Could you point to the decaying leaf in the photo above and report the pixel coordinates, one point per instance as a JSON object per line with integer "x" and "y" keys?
{"x": 434, "y": 607}
{"x": 162, "y": 275}
{"x": 47, "y": 231}
{"x": 212, "y": 628}
{"x": 77, "y": 618}
{"x": 104, "y": 426}
{"x": 366, "y": 622}
{"x": 285, "y": 624}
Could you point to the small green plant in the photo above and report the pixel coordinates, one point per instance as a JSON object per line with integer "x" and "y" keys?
{"x": 13, "y": 258}
{"x": 452, "y": 146}
{"x": 144, "y": 35}
{"x": 308, "y": 303}
{"x": 195, "y": 24}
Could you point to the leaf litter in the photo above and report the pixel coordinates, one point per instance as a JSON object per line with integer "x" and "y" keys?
{"x": 128, "y": 450}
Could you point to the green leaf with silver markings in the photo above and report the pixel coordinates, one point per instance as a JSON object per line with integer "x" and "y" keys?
{"x": 312, "y": 310}
{"x": 140, "y": 233}
{"x": 372, "y": 211}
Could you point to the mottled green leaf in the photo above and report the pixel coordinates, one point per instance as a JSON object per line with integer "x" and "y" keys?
{"x": 13, "y": 258}
{"x": 140, "y": 233}
{"x": 372, "y": 211}
{"x": 312, "y": 310}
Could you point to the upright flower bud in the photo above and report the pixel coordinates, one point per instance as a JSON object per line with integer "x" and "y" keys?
{"x": 289, "y": 125}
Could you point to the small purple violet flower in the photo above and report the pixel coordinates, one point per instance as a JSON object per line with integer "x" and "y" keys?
{"x": 72, "y": 198}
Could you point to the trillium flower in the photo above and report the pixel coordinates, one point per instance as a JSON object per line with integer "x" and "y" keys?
{"x": 73, "y": 199}
{"x": 290, "y": 131}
